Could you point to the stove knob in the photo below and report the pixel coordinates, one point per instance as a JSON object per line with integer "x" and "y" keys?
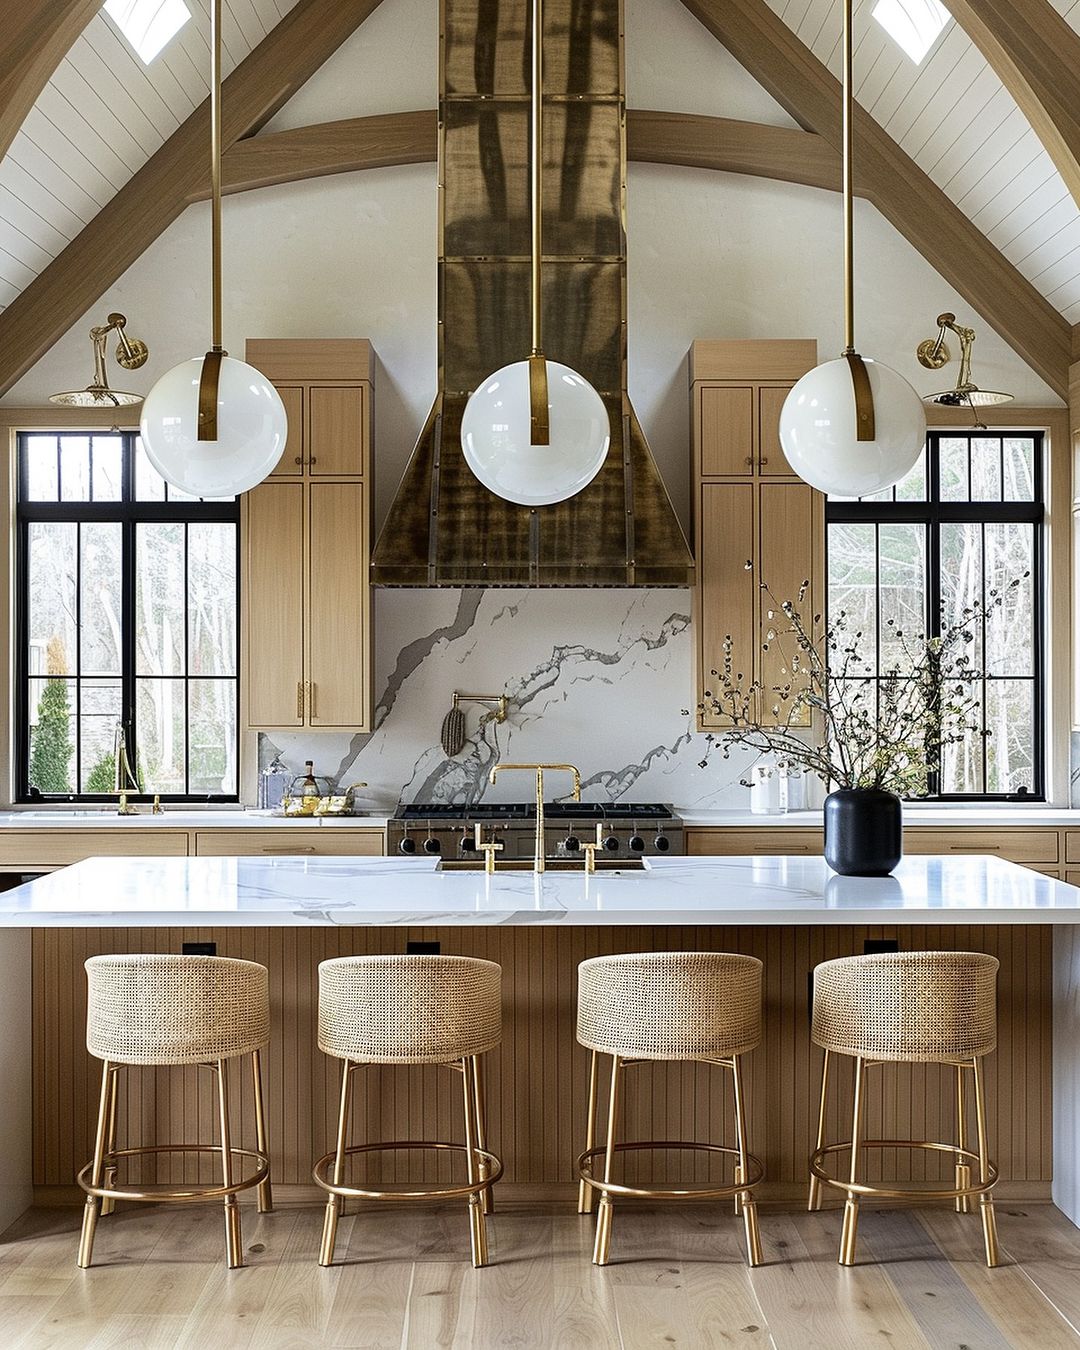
{"x": 572, "y": 844}
{"x": 611, "y": 843}
{"x": 467, "y": 844}
{"x": 637, "y": 844}
{"x": 407, "y": 846}
{"x": 662, "y": 843}
{"x": 432, "y": 845}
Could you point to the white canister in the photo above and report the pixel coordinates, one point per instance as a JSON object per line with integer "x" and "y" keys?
{"x": 765, "y": 783}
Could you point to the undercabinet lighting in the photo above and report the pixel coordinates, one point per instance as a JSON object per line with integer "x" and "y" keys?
{"x": 148, "y": 25}
{"x": 914, "y": 25}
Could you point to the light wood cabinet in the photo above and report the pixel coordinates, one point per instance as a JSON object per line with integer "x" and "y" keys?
{"x": 308, "y": 543}
{"x": 312, "y": 841}
{"x": 748, "y": 508}
{"x": 40, "y": 850}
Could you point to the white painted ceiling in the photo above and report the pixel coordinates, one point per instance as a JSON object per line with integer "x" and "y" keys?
{"x": 104, "y": 113}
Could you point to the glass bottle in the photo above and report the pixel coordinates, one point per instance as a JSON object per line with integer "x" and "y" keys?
{"x": 309, "y": 787}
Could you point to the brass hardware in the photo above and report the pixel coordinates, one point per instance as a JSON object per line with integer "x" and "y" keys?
{"x": 764, "y": 460}
{"x": 501, "y": 702}
{"x": 539, "y": 429}
{"x": 864, "y": 399}
{"x": 585, "y": 1190}
{"x": 312, "y": 461}
{"x": 488, "y": 850}
{"x": 590, "y": 849}
{"x": 484, "y": 1168}
{"x": 854, "y": 1190}
{"x": 750, "y": 461}
{"x": 124, "y": 779}
{"x": 156, "y": 809}
{"x": 211, "y": 366}
{"x": 310, "y": 689}
{"x": 293, "y": 848}
{"x": 208, "y": 394}
{"x": 131, "y": 353}
{"x": 933, "y": 353}
{"x": 299, "y": 460}
{"x": 300, "y": 699}
{"x": 540, "y": 769}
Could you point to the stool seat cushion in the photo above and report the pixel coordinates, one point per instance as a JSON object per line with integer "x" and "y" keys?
{"x": 917, "y": 1007}
{"x": 409, "y": 1009}
{"x": 163, "y": 1009}
{"x": 670, "y": 1005}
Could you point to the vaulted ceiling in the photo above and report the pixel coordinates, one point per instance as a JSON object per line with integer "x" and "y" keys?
{"x": 103, "y": 116}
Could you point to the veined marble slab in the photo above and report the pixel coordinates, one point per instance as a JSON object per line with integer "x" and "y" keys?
{"x": 301, "y": 891}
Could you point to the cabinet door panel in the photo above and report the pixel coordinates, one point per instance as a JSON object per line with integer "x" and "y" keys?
{"x": 338, "y": 601}
{"x": 726, "y": 431}
{"x": 336, "y": 430}
{"x": 771, "y": 459}
{"x": 274, "y": 587}
{"x": 291, "y": 463}
{"x": 725, "y": 591}
{"x": 785, "y": 562}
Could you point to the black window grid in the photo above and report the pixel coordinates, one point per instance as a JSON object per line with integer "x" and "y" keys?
{"x": 932, "y": 512}
{"x": 129, "y": 513}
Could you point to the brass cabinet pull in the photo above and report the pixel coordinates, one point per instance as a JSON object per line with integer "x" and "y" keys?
{"x": 299, "y": 460}
{"x": 311, "y": 698}
{"x": 750, "y": 460}
{"x": 311, "y": 461}
{"x": 764, "y": 460}
{"x": 295, "y": 848}
{"x": 300, "y": 699}
{"x": 974, "y": 848}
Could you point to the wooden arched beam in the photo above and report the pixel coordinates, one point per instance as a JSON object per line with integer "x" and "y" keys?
{"x": 906, "y": 196}
{"x": 1036, "y": 55}
{"x": 153, "y": 198}
{"x": 35, "y": 36}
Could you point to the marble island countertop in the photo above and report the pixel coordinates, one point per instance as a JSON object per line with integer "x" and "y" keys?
{"x": 415, "y": 892}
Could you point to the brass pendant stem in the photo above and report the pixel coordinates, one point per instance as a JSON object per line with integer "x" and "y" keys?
{"x": 848, "y": 191}
{"x": 536, "y": 151}
{"x": 215, "y": 172}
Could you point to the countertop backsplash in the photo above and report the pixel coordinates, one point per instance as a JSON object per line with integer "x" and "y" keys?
{"x": 599, "y": 678}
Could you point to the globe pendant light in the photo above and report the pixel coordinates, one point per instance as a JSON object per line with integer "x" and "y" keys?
{"x": 535, "y": 432}
{"x": 851, "y": 427}
{"x": 214, "y": 426}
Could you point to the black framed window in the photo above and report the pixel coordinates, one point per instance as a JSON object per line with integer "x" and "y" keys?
{"x": 961, "y": 527}
{"x": 127, "y": 605}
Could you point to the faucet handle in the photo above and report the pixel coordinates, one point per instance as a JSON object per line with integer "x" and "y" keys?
{"x": 591, "y": 849}
{"x": 489, "y": 849}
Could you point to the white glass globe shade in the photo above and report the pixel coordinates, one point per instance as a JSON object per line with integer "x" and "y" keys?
{"x": 817, "y": 430}
{"x": 251, "y": 424}
{"x": 495, "y": 436}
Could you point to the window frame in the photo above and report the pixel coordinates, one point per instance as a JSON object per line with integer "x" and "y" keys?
{"x": 129, "y": 514}
{"x": 933, "y": 513}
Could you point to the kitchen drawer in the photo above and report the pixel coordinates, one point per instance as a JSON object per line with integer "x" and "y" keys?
{"x": 1022, "y": 846}
{"x": 34, "y": 850}
{"x": 721, "y": 841}
{"x": 308, "y": 841}
{"x": 1072, "y": 846}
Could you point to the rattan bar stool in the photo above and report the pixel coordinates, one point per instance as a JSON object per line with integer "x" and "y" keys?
{"x": 656, "y": 1006}
{"x": 172, "y": 1010}
{"x": 907, "y": 1008}
{"x": 444, "y": 1010}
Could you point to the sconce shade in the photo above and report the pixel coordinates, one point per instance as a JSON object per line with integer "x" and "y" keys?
{"x": 251, "y": 423}
{"x": 496, "y": 428}
{"x": 818, "y": 433}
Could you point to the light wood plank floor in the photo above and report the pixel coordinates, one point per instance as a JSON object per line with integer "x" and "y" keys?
{"x": 677, "y": 1279}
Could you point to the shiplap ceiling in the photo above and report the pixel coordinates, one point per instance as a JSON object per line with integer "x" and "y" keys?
{"x": 961, "y": 126}
{"x": 104, "y": 113}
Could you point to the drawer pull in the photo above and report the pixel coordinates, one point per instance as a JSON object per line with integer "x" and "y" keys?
{"x": 302, "y": 848}
{"x": 974, "y": 848}
{"x": 300, "y": 699}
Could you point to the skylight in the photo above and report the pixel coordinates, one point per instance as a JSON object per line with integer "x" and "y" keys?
{"x": 914, "y": 25}
{"x": 148, "y": 25}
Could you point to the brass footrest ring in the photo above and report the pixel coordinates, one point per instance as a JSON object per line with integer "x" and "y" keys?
{"x": 437, "y": 1192}
{"x": 165, "y": 1194}
{"x": 859, "y": 1188}
{"x": 755, "y": 1169}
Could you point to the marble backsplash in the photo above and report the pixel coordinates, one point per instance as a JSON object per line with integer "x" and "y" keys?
{"x": 597, "y": 678}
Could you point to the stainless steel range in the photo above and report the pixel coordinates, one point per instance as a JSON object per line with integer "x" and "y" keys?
{"x": 626, "y": 831}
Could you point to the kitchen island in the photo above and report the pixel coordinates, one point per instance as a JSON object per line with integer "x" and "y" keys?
{"x": 292, "y": 912}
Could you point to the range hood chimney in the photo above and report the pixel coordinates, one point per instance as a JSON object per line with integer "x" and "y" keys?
{"x": 444, "y": 528}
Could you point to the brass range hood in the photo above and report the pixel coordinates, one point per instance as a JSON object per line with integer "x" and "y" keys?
{"x": 444, "y": 528}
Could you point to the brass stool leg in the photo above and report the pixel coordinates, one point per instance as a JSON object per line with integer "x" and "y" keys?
{"x": 814, "y": 1199}
{"x": 602, "y": 1245}
{"x": 585, "y": 1191}
{"x": 93, "y": 1203}
{"x": 749, "y": 1206}
{"x": 487, "y": 1196}
{"x": 477, "y": 1221}
{"x": 108, "y": 1204}
{"x": 334, "y": 1202}
{"x": 986, "y": 1200}
{"x": 851, "y": 1205}
{"x": 264, "y": 1192}
{"x": 963, "y": 1171}
{"x": 233, "y": 1245}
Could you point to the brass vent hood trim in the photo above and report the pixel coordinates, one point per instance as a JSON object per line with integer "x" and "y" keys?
{"x": 444, "y": 528}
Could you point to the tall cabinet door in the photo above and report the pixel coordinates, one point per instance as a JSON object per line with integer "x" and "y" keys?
{"x": 274, "y": 589}
{"x": 725, "y": 592}
{"x": 336, "y": 430}
{"x": 787, "y": 560}
{"x": 337, "y": 609}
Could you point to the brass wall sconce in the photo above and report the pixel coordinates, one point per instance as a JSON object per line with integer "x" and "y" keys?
{"x": 934, "y": 353}
{"x": 130, "y": 353}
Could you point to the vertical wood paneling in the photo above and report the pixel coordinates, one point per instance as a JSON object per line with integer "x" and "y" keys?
{"x": 537, "y": 1081}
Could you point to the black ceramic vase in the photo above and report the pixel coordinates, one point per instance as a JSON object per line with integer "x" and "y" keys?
{"x": 863, "y": 832}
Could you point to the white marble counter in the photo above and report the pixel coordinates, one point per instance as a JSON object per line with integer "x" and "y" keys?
{"x": 188, "y": 818}
{"x": 915, "y": 817}
{"x": 300, "y": 891}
